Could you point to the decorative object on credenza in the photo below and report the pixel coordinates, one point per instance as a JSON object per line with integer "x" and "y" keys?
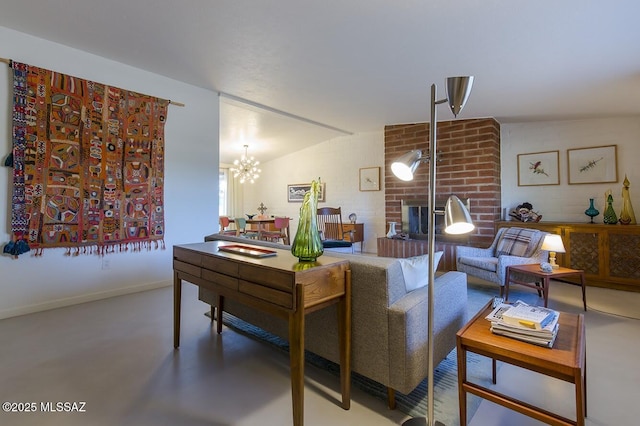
{"x": 307, "y": 245}
{"x": 353, "y": 218}
{"x": 591, "y": 211}
{"x": 250, "y": 216}
{"x": 370, "y": 179}
{"x": 610, "y": 216}
{"x": 539, "y": 168}
{"x": 593, "y": 165}
{"x": 392, "y": 229}
{"x": 262, "y": 208}
{"x": 524, "y": 213}
{"x": 88, "y": 170}
{"x": 627, "y": 217}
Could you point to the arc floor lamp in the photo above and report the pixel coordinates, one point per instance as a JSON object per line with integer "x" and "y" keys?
{"x": 456, "y": 216}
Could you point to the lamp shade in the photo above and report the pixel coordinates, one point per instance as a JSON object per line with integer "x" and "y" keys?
{"x": 458, "y": 91}
{"x": 404, "y": 167}
{"x": 457, "y": 219}
{"x": 553, "y": 242}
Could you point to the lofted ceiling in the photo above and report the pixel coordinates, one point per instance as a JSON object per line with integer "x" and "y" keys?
{"x": 312, "y": 70}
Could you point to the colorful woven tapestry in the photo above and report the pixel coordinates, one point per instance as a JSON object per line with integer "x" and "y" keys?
{"x": 88, "y": 165}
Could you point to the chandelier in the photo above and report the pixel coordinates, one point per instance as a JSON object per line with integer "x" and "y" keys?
{"x": 246, "y": 168}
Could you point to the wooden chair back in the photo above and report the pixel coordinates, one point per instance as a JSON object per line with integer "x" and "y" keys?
{"x": 330, "y": 223}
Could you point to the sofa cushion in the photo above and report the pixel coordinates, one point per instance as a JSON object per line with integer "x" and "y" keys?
{"x": 416, "y": 270}
{"x": 486, "y": 263}
{"x": 515, "y": 242}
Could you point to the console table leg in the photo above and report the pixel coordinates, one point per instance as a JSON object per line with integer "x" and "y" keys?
{"x": 344, "y": 331}
{"x": 177, "y": 300}
{"x": 220, "y": 303}
{"x": 296, "y": 356}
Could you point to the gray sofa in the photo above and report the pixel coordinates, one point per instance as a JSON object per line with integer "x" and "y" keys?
{"x": 389, "y": 324}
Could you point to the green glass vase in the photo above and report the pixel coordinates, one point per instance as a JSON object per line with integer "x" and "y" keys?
{"x": 610, "y": 216}
{"x": 307, "y": 245}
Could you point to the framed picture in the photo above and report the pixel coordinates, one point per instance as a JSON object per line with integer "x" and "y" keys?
{"x": 295, "y": 192}
{"x": 593, "y": 165}
{"x": 370, "y": 179}
{"x": 539, "y": 168}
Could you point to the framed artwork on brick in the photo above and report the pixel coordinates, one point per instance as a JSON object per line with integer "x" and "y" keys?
{"x": 539, "y": 168}
{"x": 593, "y": 165}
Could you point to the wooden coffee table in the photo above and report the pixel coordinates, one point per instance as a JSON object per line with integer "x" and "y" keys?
{"x": 565, "y": 361}
{"x": 545, "y": 278}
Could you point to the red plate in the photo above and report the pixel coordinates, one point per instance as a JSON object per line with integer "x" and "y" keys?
{"x": 247, "y": 250}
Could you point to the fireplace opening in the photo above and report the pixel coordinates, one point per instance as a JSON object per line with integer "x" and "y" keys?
{"x": 415, "y": 219}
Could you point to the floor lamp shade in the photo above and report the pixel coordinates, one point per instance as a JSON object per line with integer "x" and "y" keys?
{"x": 405, "y": 166}
{"x": 457, "y": 219}
{"x": 458, "y": 91}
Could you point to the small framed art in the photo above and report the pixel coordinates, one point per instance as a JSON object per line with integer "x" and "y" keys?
{"x": 539, "y": 168}
{"x": 598, "y": 164}
{"x": 370, "y": 179}
{"x": 295, "y": 192}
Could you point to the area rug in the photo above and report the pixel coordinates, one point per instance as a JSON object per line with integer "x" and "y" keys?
{"x": 88, "y": 165}
{"x": 415, "y": 403}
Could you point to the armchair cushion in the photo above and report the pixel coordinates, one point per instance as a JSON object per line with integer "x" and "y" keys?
{"x": 487, "y": 263}
{"x": 516, "y": 242}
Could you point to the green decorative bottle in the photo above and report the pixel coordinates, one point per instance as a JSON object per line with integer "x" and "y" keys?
{"x": 610, "y": 216}
{"x": 307, "y": 245}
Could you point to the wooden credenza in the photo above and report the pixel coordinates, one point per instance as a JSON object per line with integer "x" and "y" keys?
{"x": 608, "y": 254}
{"x": 278, "y": 285}
{"x": 358, "y": 234}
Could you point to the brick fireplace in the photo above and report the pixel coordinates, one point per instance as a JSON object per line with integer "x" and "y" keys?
{"x": 468, "y": 166}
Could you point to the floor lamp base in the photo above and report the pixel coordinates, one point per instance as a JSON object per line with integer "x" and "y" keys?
{"x": 419, "y": 421}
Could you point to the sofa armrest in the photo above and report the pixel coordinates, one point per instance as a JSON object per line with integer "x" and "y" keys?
{"x": 408, "y": 333}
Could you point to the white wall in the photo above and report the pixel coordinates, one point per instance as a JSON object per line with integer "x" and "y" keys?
{"x": 337, "y": 163}
{"x": 29, "y": 283}
{"x": 564, "y": 202}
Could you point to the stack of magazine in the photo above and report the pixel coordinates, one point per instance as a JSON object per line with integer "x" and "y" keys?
{"x": 520, "y": 321}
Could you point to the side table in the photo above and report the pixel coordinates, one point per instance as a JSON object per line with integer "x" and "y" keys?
{"x": 545, "y": 277}
{"x": 567, "y": 361}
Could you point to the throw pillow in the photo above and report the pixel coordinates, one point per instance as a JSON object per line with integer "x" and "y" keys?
{"x": 416, "y": 270}
{"x": 515, "y": 242}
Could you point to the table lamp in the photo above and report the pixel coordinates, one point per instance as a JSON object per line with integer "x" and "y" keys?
{"x": 553, "y": 244}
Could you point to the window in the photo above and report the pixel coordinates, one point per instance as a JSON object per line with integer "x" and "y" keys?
{"x": 223, "y": 201}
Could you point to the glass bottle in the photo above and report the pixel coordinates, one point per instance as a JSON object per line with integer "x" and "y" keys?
{"x": 307, "y": 245}
{"x": 591, "y": 211}
{"x": 627, "y": 216}
{"x": 610, "y": 216}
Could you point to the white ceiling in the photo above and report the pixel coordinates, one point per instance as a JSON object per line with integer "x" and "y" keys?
{"x": 356, "y": 65}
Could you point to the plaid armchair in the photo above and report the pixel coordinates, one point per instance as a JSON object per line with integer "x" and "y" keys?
{"x": 511, "y": 246}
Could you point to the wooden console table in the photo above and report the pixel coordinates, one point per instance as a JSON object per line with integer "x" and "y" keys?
{"x": 567, "y": 361}
{"x": 278, "y": 285}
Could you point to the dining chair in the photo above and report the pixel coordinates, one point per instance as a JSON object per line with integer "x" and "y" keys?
{"x": 225, "y": 224}
{"x": 281, "y": 233}
{"x": 242, "y": 231}
{"x": 331, "y": 231}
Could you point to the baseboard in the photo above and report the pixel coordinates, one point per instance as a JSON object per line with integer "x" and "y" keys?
{"x": 61, "y": 303}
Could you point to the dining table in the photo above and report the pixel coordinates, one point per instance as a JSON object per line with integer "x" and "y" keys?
{"x": 262, "y": 224}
